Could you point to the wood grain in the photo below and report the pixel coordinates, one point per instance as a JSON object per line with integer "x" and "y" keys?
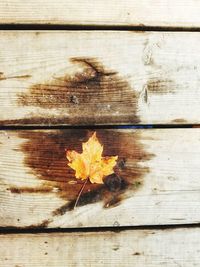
{"x": 88, "y": 78}
{"x": 168, "y": 13}
{"x": 128, "y": 248}
{"x": 158, "y": 185}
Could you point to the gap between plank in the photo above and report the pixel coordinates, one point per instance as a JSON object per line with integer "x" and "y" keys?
{"x": 142, "y": 126}
{"x": 18, "y": 230}
{"x": 69, "y": 27}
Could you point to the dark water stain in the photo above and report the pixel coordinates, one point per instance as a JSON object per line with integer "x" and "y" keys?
{"x": 92, "y": 95}
{"x": 91, "y": 90}
{"x": 46, "y": 158}
{"x": 42, "y": 224}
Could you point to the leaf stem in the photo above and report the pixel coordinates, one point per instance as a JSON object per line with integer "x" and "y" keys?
{"x": 80, "y": 192}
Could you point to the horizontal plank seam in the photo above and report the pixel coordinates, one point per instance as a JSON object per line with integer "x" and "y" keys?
{"x": 27, "y": 230}
{"x": 55, "y": 27}
{"x": 141, "y": 126}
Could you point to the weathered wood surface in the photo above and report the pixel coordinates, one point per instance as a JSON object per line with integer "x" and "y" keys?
{"x": 168, "y": 13}
{"x": 149, "y": 248}
{"x": 159, "y": 184}
{"x": 71, "y": 78}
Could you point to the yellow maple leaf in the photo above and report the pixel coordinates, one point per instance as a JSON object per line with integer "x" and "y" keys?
{"x": 90, "y": 164}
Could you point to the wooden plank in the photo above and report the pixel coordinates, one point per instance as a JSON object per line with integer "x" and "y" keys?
{"x": 127, "y": 248}
{"x": 159, "y": 184}
{"x": 86, "y": 78}
{"x": 168, "y": 13}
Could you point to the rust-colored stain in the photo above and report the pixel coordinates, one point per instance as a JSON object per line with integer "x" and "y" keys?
{"x": 180, "y": 121}
{"x": 46, "y": 157}
{"x": 42, "y": 189}
{"x": 160, "y": 86}
{"x": 91, "y": 95}
{"x": 136, "y": 254}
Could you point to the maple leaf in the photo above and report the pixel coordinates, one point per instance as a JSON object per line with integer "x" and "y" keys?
{"x": 90, "y": 164}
